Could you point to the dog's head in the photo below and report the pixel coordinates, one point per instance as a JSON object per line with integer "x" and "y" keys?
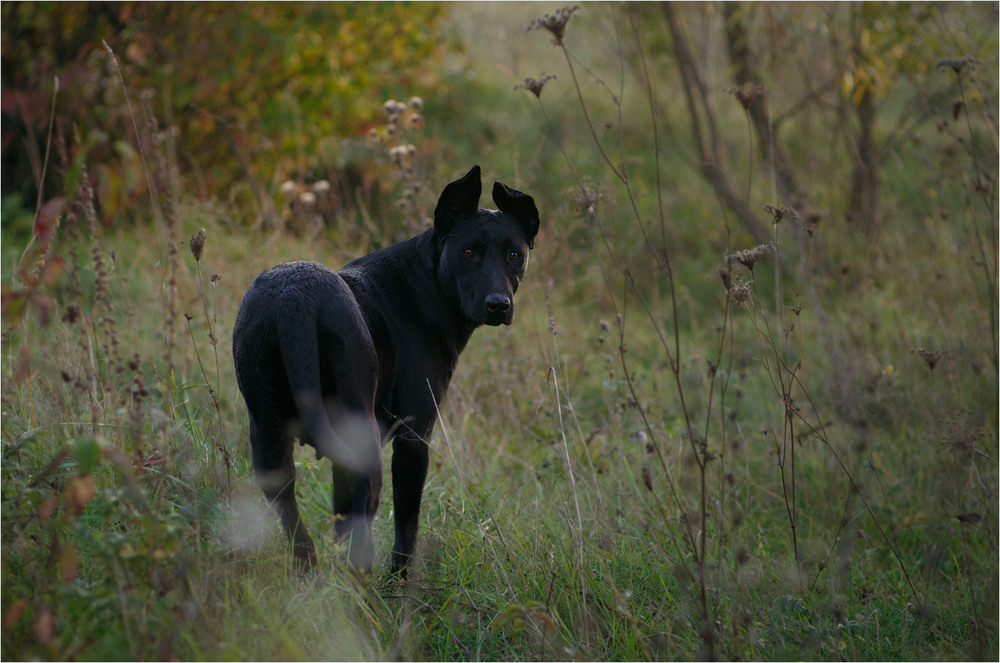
{"x": 483, "y": 253}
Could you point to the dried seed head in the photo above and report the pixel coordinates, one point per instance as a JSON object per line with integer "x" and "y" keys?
{"x": 587, "y": 196}
{"x": 647, "y": 478}
{"x": 781, "y": 212}
{"x": 746, "y": 93}
{"x": 932, "y": 357}
{"x": 416, "y": 103}
{"x": 72, "y": 314}
{"x": 955, "y": 64}
{"x": 555, "y": 23}
{"x": 739, "y": 290}
{"x": 810, "y": 229}
{"x": 964, "y": 431}
{"x": 749, "y": 257}
{"x": 197, "y": 243}
{"x": 535, "y": 85}
{"x": 727, "y": 279}
{"x": 969, "y": 518}
{"x": 399, "y": 153}
{"x": 415, "y": 121}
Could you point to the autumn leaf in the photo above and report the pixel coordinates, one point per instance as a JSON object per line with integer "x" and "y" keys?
{"x": 13, "y": 615}
{"x": 69, "y": 563}
{"x": 44, "y": 626}
{"x": 48, "y": 508}
{"x": 79, "y": 491}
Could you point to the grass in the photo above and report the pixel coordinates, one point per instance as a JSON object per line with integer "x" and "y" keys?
{"x": 649, "y": 464}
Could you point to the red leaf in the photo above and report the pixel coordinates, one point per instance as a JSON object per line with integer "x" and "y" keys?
{"x": 44, "y": 625}
{"x": 13, "y": 614}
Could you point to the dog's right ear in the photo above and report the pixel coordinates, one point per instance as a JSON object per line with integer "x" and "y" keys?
{"x": 519, "y": 205}
{"x": 460, "y": 199}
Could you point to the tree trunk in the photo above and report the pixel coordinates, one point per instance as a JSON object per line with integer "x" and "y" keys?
{"x": 865, "y": 176}
{"x": 705, "y": 131}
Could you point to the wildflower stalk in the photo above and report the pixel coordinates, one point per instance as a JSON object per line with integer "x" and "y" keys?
{"x": 746, "y": 94}
{"x": 569, "y": 470}
{"x": 695, "y": 532}
{"x": 197, "y": 245}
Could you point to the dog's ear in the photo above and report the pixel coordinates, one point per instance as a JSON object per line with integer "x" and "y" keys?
{"x": 519, "y": 205}
{"x": 458, "y": 200}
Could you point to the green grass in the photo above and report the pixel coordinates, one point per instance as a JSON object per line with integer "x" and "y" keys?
{"x": 175, "y": 557}
{"x": 568, "y": 513}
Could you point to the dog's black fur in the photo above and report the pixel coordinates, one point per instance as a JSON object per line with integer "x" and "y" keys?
{"x": 345, "y": 360}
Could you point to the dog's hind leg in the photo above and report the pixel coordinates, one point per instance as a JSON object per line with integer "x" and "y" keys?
{"x": 274, "y": 466}
{"x": 332, "y": 372}
{"x": 357, "y": 480}
{"x": 355, "y": 500}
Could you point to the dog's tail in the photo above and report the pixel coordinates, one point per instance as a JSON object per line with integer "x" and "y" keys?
{"x": 336, "y": 429}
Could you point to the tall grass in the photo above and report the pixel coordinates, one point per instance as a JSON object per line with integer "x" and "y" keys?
{"x": 670, "y": 454}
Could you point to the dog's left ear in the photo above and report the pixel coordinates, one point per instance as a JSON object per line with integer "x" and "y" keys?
{"x": 460, "y": 199}
{"x": 519, "y": 205}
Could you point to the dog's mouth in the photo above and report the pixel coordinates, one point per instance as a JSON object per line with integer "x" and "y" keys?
{"x": 495, "y": 319}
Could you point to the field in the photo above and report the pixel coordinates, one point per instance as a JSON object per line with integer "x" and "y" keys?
{"x": 747, "y": 408}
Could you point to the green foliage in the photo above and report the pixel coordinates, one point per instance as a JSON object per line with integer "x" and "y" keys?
{"x": 272, "y": 92}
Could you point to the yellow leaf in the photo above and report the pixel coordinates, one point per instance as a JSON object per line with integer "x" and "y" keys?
{"x": 859, "y": 94}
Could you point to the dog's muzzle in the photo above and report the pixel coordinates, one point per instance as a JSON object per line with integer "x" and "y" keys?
{"x": 499, "y": 310}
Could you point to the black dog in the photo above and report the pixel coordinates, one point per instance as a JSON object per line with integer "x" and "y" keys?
{"x": 344, "y": 360}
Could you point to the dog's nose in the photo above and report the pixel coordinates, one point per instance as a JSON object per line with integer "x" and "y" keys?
{"x": 497, "y": 304}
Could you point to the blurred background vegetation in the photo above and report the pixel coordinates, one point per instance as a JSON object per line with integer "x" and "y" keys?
{"x": 644, "y": 131}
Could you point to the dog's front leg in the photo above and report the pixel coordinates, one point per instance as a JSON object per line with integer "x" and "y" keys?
{"x": 409, "y": 471}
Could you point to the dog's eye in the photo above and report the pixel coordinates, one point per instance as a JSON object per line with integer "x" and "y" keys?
{"x": 513, "y": 255}
{"x": 469, "y": 252}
